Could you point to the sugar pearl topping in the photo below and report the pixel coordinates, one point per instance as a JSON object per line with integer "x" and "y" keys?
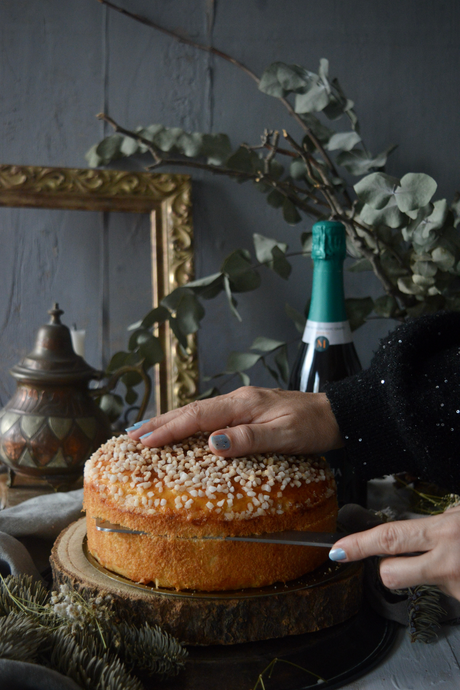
{"x": 189, "y": 478}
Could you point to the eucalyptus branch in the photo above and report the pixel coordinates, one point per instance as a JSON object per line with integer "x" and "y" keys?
{"x": 161, "y": 159}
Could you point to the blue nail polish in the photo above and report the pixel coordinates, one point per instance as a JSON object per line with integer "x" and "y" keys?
{"x": 137, "y": 425}
{"x": 220, "y": 442}
{"x": 145, "y": 435}
{"x": 337, "y": 555}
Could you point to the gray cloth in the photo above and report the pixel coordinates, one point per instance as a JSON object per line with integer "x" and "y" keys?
{"x": 18, "y": 675}
{"x": 28, "y": 530}
{"x": 35, "y": 523}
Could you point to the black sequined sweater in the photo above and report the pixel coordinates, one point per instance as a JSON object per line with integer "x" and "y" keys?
{"x": 403, "y": 412}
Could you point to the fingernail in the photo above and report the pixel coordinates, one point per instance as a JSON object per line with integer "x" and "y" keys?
{"x": 145, "y": 435}
{"x": 220, "y": 442}
{"x": 137, "y": 425}
{"x": 337, "y": 555}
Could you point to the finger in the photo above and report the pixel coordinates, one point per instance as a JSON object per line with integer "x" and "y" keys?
{"x": 391, "y": 539}
{"x": 202, "y": 415}
{"x": 140, "y": 428}
{"x": 399, "y": 573}
{"x": 248, "y": 439}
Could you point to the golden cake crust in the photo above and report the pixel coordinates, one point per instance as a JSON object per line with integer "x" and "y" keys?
{"x": 180, "y": 494}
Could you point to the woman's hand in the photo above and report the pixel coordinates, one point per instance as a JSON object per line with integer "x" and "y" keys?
{"x": 250, "y": 420}
{"x": 437, "y": 537}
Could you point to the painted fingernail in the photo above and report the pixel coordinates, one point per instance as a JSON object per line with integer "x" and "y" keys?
{"x": 145, "y": 435}
{"x": 137, "y": 425}
{"x": 220, "y": 442}
{"x": 337, "y": 555}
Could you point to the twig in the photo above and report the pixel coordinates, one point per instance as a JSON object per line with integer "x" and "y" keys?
{"x": 160, "y": 159}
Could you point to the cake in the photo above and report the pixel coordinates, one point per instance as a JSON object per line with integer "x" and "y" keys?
{"x": 186, "y": 500}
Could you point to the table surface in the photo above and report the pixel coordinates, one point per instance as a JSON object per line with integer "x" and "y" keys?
{"x": 417, "y": 666}
{"x": 409, "y": 666}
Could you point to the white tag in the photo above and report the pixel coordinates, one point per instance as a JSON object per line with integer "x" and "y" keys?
{"x": 323, "y": 334}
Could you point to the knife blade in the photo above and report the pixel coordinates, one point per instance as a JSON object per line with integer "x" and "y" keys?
{"x": 318, "y": 539}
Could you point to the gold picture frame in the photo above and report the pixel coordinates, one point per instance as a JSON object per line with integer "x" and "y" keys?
{"x": 167, "y": 199}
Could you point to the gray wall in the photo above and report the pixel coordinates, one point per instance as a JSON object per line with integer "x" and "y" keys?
{"x": 62, "y": 62}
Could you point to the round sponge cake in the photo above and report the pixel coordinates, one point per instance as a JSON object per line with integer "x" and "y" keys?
{"x": 187, "y": 500}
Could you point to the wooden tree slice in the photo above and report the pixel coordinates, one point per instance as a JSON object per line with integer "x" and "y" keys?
{"x": 202, "y": 620}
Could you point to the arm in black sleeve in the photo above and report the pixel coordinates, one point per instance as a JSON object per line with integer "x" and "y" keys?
{"x": 403, "y": 413}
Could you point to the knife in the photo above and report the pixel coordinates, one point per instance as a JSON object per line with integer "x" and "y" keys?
{"x": 319, "y": 539}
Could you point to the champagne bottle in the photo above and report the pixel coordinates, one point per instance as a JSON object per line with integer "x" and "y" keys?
{"x": 327, "y": 352}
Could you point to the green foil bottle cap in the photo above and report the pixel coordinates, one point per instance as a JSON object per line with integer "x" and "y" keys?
{"x": 329, "y": 240}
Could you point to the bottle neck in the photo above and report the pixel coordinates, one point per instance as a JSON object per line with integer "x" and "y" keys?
{"x": 327, "y": 296}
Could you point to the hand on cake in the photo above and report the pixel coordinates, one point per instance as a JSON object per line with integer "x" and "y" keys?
{"x": 436, "y": 537}
{"x": 250, "y": 420}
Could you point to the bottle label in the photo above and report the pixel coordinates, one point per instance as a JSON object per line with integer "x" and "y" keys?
{"x": 322, "y": 334}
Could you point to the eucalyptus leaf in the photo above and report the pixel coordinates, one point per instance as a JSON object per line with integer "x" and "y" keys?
{"x": 112, "y": 405}
{"x": 180, "y": 336}
{"x": 151, "y": 351}
{"x": 208, "y": 287}
{"x": 231, "y": 300}
{"x": 314, "y": 100}
{"x": 171, "y": 301}
{"x": 357, "y": 310}
{"x": 321, "y": 132}
{"x": 280, "y": 264}
{"x": 271, "y": 371}
{"x": 190, "y": 144}
{"x": 166, "y": 139}
{"x": 92, "y": 157}
{"x": 109, "y": 148}
{"x": 390, "y": 215}
{"x": 407, "y": 285}
{"x": 343, "y": 140}
{"x": 276, "y": 169}
{"x": 282, "y": 363}
{"x": 279, "y": 79}
{"x": 358, "y": 162}
{"x": 385, "y": 306}
{"x": 360, "y": 266}
{"x": 416, "y": 191}
{"x": 209, "y": 393}
{"x": 298, "y": 169}
{"x": 216, "y": 148}
{"x": 129, "y": 146}
{"x": 264, "y": 246}
{"x": 118, "y": 360}
{"x": 275, "y": 198}
{"x": 130, "y": 379}
{"x": 376, "y": 189}
{"x": 244, "y": 161}
{"x": 298, "y": 318}
{"x": 245, "y": 380}
{"x": 138, "y": 337}
{"x": 306, "y": 240}
{"x": 290, "y": 213}
{"x": 443, "y": 258}
{"x": 240, "y": 361}
{"x": 238, "y": 269}
{"x": 158, "y": 315}
{"x": 131, "y": 396}
{"x": 189, "y": 313}
{"x": 266, "y": 344}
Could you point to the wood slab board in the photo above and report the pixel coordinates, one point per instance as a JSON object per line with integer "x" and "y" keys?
{"x": 213, "y": 620}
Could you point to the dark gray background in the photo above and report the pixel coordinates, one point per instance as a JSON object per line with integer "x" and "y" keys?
{"x": 62, "y": 62}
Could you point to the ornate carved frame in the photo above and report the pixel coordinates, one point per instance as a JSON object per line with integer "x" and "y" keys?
{"x": 167, "y": 198}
